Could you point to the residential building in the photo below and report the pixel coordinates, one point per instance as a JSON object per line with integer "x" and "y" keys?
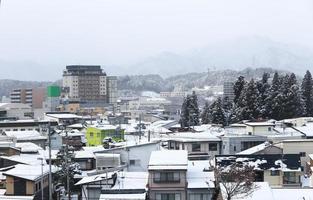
{"x": 25, "y": 180}
{"x": 14, "y": 111}
{"x": 90, "y": 85}
{"x": 264, "y": 148}
{"x": 28, "y": 136}
{"x": 34, "y": 97}
{"x": 278, "y": 170}
{"x": 97, "y": 133}
{"x": 200, "y": 146}
{"x": 168, "y": 175}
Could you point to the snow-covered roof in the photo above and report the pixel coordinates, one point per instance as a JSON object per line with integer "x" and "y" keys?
{"x": 256, "y": 149}
{"x": 141, "y": 196}
{"x": 63, "y": 116}
{"x": 192, "y": 137}
{"x": 104, "y": 127}
{"x": 28, "y": 147}
{"x": 202, "y": 127}
{"x": 29, "y": 172}
{"x": 93, "y": 148}
{"x": 84, "y": 154}
{"x": 27, "y": 159}
{"x": 131, "y": 181}
{"x": 168, "y": 159}
{"x": 259, "y": 124}
{"x": 72, "y": 133}
{"x": 95, "y": 178}
{"x": 25, "y": 135}
{"x": 197, "y": 175}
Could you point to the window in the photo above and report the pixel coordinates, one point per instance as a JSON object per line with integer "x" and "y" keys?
{"x": 167, "y": 196}
{"x": 269, "y": 128}
{"x": 176, "y": 145}
{"x": 235, "y": 148}
{"x": 213, "y": 147}
{"x": 166, "y": 177}
{"x": 195, "y": 147}
{"x": 302, "y": 154}
{"x": 91, "y": 134}
{"x": 275, "y": 173}
{"x": 15, "y": 129}
{"x": 134, "y": 162}
{"x": 290, "y": 178}
{"x": 198, "y": 196}
{"x": 22, "y": 129}
{"x": 98, "y": 134}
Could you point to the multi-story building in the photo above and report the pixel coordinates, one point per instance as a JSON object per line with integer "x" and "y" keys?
{"x": 228, "y": 91}
{"x": 90, "y": 85}
{"x": 31, "y": 96}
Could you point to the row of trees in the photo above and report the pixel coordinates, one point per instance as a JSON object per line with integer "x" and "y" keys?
{"x": 281, "y": 98}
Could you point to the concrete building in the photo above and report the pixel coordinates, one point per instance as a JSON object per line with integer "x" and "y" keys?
{"x": 15, "y": 111}
{"x": 228, "y": 90}
{"x": 31, "y": 96}
{"x": 90, "y": 85}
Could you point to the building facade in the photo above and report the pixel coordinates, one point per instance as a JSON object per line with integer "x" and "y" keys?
{"x": 31, "y": 96}
{"x": 89, "y": 84}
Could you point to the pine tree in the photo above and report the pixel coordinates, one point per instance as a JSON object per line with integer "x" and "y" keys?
{"x": 217, "y": 112}
{"x": 190, "y": 111}
{"x": 307, "y": 94}
{"x": 238, "y": 87}
{"x": 205, "y": 117}
{"x": 274, "y": 100}
{"x": 250, "y": 110}
{"x": 264, "y": 90}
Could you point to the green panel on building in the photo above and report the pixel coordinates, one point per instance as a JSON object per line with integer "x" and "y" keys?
{"x": 53, "y": 91}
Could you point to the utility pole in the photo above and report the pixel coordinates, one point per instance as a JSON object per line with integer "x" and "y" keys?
{"x": 50, "y": 171}
{"x": 67, "y": 168}
{"x": 139, "y": 127}
{"x": 41, "y": 181}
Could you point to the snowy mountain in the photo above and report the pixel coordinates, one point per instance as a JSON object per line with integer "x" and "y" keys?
{"x": 237, "y": 54}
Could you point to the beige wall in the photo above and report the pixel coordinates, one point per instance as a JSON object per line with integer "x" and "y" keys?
{"x": 295, "y": 147}
{"x": 30, "y": 188}
{"x": 10, "y": 185}
{"x": 273, "y": 180}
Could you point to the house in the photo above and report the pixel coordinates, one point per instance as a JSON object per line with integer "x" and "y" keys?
{"x": 15, "y": 111}
{"x": 91, "y": 186}
{"x": 8, "y": 146}
{"x": 200, "y": 180}
{"x": 200, "y": 146}
{"x": 65, "y": 118}
{"x": 74, "y": 138}
{"x": 278, "y": 170}
{"x": 97, "y": 133}
{"x": 25, "y": 180}
{"x": 27, "y": 125}
{"x": 303, "y": 147}
{"x": 264, "y": 148}
{"x": 85, "y": 159}
{"x": 235, "y": 143}
{"x": 259, "y": 128}
{"x": 128, "y": 185}
{"x": 168, "y": 175}
{"x": 28, "y": 136}
{"x": 135, "y": 157}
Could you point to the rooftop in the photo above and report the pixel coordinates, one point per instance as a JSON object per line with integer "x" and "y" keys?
{"x": 28, "y": 172}
{"x": 168, "y": 159}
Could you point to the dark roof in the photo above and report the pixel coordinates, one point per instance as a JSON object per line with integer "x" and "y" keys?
{"x": 262, "y": 162}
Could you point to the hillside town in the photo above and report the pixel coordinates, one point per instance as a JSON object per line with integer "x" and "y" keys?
{"x": 84, "y": 140}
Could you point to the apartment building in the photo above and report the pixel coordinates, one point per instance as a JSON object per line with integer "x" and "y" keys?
{"x": 31, "y": 96}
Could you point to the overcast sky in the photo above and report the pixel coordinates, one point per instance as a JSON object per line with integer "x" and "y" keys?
{"x": 58, "y": 32}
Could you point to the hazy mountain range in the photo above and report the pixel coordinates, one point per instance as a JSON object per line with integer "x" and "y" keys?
{"x": 156, "y": 83}
{"x": 236, "y": 54}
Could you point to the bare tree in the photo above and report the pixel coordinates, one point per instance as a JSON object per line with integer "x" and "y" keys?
{"x": 235, "y": 180}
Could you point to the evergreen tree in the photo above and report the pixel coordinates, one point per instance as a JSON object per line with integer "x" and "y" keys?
{"x": 307, "y": 94}
{"x": 291, "y": 106}
{"x": 238, "y": 87}
{"x": 190, "y": 111}
{"x": 217, "y": 112}
{"x": 205, "y": 117}
{"x": 274, "y": 100}
{"x": 249, "y": 108}
{"x": 264, "y": 90}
